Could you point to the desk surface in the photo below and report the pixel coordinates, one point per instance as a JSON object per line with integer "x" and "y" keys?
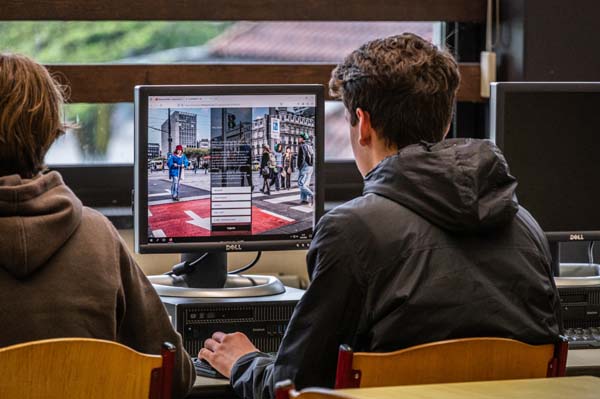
{"x": 547, "y": 388}
{"x": 212, "y": 388}
{"x": 579, "y": 362}
{"x": 583, "y": 358}
{"x": 205, "y": 381}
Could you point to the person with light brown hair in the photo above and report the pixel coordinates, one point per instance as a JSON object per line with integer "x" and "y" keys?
{"x": 436, "y": 248}
{"x": 30, "y": 109}
{"x": 64, "y": 270}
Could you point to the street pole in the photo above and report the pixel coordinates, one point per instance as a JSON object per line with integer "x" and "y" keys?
{"x": 268, "y": 130}
{"x": 169, "y": 129}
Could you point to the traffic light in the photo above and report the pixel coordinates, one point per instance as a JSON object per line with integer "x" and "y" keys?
{"x": 230, "y": 121}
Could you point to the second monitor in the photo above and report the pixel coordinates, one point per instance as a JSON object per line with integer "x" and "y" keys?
{"x": 548, "y": 132}
{"x": 227, "y": 168}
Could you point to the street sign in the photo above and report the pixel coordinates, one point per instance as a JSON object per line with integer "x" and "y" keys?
{"x": 275, "y": 132}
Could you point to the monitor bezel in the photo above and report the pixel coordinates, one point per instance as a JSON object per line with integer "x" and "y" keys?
{"x": 498, "y": 93}
{"x": 141, "y": 94}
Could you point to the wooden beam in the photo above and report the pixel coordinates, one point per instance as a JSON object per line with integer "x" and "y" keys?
{"x": 244, "y": 10}
{"x": 469, "y": 90}
{"x": 107, "y": 83}
{"x": 114, "y": 83}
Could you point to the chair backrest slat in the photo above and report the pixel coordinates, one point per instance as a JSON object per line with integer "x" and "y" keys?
{"x": 459, "y": 360}
{"x": 76, "y": 368}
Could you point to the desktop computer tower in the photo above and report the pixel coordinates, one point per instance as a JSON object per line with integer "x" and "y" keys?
{"x": 580, "y": 306}
{"x": 263, "y": 319}
{"x": 579, "y": 290}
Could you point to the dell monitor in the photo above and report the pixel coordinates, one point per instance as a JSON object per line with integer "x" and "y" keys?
{"x": 550, "y": 136}
{"x": 216, "y": 170}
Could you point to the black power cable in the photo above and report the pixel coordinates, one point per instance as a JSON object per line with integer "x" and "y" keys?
{"x": 185, "y": 267}
{"x": 248, "y": 266}
{"x": 188, "y": 267}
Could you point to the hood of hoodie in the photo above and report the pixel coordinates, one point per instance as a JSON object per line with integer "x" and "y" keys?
{"x": 460, "y": 185}
{"x": 37, "y": 217}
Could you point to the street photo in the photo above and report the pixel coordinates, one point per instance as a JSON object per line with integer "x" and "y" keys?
{"x": 230, "y": 171}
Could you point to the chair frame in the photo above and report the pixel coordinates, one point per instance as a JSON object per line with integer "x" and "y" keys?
{"x": 161, "y": 383}
{"x": 160, "y": 378}
{"x": 348, "y": 377}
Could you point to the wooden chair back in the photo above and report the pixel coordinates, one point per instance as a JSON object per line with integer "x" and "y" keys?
{"x": 84, "y": 368}
{"x": 458, "y": 360}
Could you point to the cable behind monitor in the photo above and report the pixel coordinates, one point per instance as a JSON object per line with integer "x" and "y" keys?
{"x": 248, "y": 266}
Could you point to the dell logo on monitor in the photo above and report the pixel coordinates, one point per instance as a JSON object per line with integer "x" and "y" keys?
{"x": 233, "y": 247}
{"x": 576, "y": 237}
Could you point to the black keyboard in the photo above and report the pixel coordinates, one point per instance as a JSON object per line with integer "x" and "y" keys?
{"x": 203, "y": 369}
{"x": 583, "y": 338}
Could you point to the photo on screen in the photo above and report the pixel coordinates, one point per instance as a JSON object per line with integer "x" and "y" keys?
{"x": 230, "y": 166}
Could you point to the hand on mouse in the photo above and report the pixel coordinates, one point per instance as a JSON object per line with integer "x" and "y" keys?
{"x": 223, "y": 350}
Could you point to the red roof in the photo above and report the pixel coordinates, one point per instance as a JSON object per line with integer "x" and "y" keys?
{"x": 305, "y": 41}
{"x": 309, "y": 42}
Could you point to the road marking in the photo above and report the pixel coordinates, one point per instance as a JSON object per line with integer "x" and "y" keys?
{"x": 203, "y": 186}
{"x": 149, "y": 213}
{"x": 158, "y": 233}
{"x": 302, "y": 208}
{"x": 277, "y": 215}
{"x": 279, "y": 200}
{"x": 170, "y": 201}
{"x": 197, "y": 220}
{"x": 197, "y": 197}
{"x": 275, "y": 192}
{"x": 168, "y": 192}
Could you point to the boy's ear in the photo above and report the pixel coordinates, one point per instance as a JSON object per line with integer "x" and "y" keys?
{"x": 447, "y": 130}
{"x": 365, "y": 130}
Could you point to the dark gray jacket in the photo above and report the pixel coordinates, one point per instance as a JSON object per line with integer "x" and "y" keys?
{"x": 303, "y": 155}
{"x": 436, "y": 248}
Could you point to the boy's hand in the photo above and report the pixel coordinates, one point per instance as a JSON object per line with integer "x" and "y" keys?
{"x": 223, "y": 350}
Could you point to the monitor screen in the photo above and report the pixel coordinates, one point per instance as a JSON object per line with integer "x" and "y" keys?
{"x": 550, "y": 136}
{"x": 227, "y": 167}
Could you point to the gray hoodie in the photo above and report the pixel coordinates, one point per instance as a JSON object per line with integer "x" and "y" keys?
{"x": 65, "y": 272}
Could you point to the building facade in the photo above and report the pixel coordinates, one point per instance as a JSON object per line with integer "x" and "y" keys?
{"x": 182, "y": 132}
{"x": 153, "y": 150}
{"x": 291, "y": 124}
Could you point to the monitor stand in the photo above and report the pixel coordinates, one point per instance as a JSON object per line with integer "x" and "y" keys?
{"x": 209, "y": 279}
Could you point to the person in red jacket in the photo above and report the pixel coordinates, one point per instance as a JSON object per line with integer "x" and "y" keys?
{"x": 177, "y": 163}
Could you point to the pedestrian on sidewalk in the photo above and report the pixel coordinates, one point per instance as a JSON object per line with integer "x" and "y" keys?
{"x": 177, "y": 163}
{"x": 278, "y": 154}
{"x": 305, "y": 166}
{"x": 288, "y": 168}
{"x": 266, "y": 170}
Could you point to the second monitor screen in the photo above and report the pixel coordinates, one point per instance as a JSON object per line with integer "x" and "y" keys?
{"x": 229, "y": 167}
